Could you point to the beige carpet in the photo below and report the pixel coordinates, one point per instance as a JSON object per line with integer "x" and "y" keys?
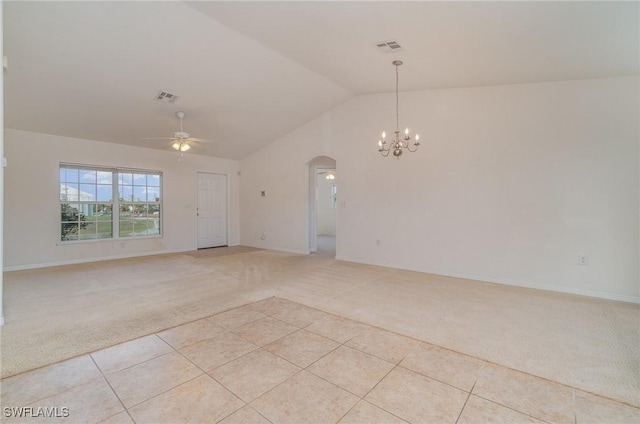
{"x": 54, "y": 314}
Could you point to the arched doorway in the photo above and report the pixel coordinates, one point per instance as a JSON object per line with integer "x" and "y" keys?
{"x": 323, "y": 179}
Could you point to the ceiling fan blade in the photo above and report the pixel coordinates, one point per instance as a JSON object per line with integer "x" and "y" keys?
{"x": 157, "y": 138}
{"x": 199, "y": 139}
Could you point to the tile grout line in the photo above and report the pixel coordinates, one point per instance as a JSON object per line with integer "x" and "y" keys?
{"x": 141, "y": 362}
{"x": 344, "y": 344}
{"x": 104, "y": 377}
{"x": 361, "y": 398}
{"x": 305, "y": 368}
{"x": 68, "y": 388}
{"x": 508, "y": 407}
{"x": 573, "y": 399}
{"x": 165, "y": 391}
{"x": 484, "y": 365}
{"x": 485, "y": 361}
{"x": 211, "y": 377}
{"x": 465, "y": 403}
{"x": 144, "y": 362}
{"x": 259, "y": 413}
{"x": 376, "y": 385}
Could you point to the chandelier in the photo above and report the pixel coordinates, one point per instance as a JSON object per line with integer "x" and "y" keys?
{"x": 397, "y": 145}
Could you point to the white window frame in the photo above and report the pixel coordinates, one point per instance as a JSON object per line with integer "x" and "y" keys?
{"x": 115, "y": 202}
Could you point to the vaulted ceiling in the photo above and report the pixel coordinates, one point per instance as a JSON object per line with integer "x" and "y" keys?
{"x": 247, "y": 73}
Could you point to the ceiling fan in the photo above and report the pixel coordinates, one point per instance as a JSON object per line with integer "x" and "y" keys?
{"x": 181, "y": 139}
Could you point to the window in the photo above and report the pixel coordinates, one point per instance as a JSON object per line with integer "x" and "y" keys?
{"x": 139, "y": 204}
{"x": 107, "y": 203}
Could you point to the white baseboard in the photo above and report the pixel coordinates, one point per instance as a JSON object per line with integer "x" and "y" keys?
{"x": 127, "y": 256}
{"x": 278, "y": 249}
{"x": 295, "y": 252}
{"x": 86, "y": 260}
{"x": 553, "y": 288}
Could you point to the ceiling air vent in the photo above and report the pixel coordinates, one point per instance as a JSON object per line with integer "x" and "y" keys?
{"x": 166, "y": 97}
{"x": 389, "y": 46}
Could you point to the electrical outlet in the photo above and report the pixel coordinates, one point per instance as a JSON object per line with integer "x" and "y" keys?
{"x": 583, "y": 260}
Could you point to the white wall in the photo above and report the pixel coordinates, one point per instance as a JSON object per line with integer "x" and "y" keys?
{"x": 511, "y": 184}
{"x": 283, "y": 214}
{"x": 326, "y": 212}
{"x": 31, "y": 227}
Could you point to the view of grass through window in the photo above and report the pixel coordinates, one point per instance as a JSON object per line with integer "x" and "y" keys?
{"x": 105, "y": 203}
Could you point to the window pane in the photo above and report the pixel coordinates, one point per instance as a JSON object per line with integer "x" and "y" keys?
{"x": 69, "y": 231}
{"x": 140, "y": 179}
{"x": 153, "y": 180}
{"x": 126, "y": 193}
{"x": 69, "y": 212}
{"x": 126, "y": 228}
{"x": 153, "y": 194}
{"x": 71, "y": 175}
{"x": 140, "y": 210}
{"x": 125, "y": 179}
{"x": 87, "y": 230}
{"x": 87, "y": 192}
{"x": 153, "y": 227}
{"x": 64, "y": 193}
{"x": 103, "y": 212}
{"x": 154, "y": 217}
{"x": 68, "y": 191}
{"x": 105, "y": 229}
{"x": 105, "y": 193}
{"x": 85, "y": 210}
{"x": 105, "y": 177}
{"x": 87, "y": 176}
{"x": 139, "y": 194}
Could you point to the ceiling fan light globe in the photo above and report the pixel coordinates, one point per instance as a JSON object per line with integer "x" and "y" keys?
{"x": 176, "y": 145}
{"x": 184, "y": 147}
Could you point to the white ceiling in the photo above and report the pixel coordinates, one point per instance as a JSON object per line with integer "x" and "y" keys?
{"x": 249, "y": 72}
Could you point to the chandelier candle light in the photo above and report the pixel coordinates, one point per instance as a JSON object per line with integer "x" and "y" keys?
{"x": 397, "y": 145}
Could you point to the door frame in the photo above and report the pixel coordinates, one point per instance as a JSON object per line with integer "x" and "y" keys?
{"x": 311, "y": 233}
{"x": 227, "y": 200}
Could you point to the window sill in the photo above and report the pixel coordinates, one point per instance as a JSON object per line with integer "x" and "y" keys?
{"x": 105, "y": 240}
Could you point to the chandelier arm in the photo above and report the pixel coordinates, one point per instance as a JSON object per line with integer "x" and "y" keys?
{"x": 409, "y": 148}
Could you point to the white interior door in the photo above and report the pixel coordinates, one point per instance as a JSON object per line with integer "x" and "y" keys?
{"x": 212, "y": 210}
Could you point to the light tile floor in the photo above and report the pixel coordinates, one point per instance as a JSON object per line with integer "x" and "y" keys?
{"x": 277, "y": 361}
